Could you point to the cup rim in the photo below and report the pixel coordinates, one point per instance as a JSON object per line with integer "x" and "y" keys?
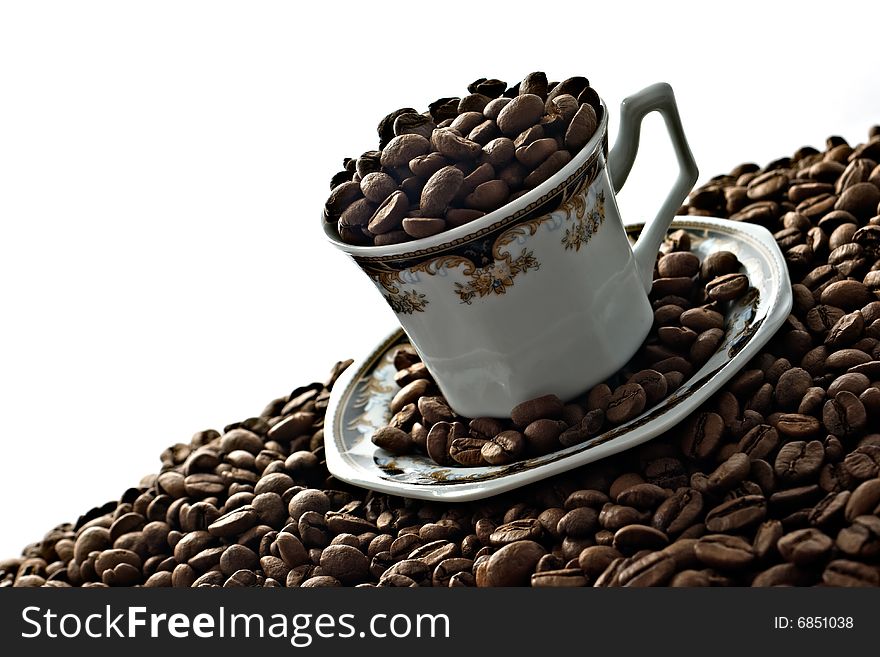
{"x": 438, "y": 240}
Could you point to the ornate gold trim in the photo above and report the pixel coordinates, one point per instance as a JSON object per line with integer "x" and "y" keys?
{"x": 591, "y": 162}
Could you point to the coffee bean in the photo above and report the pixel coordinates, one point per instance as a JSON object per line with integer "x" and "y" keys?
{"x": 440, "y": 189}
{"x": 546, "y": 407}
{"x": 861, "y": 538}
{"x": 727, "y": 287}
{"x": 392, "y": 439}
{"x": 632, "y": 538}
{"x": 409, "y": 394}
{"x": 594, "y": 560}
{"x": 517, "y": 530}
{"x": 863, "y": 462}
{"x": 786, "y": 574}
{"x": 678, "y": 511}
{"x": 794, "y": 425}
{"x": 844, "y": 415}
{"x": 804, "y": 546}
{"x": 798, "y": 461}
{"x": 616, "y": 516}
{"x": 347, "y": 564}
{"x": 566, "y": 577}
{"x": 843, "y": 572}
{"x": 523, "y": 111}
{"x": 505, "y": 447}
{"x": 724, "y": 552}
{"x": 736, "y": 514}
{"x": 702, "y": 435}
{"x": 627, "y": 401}
{"x": 653, "y": 569}
{"x": 581, "y": 129}
{"x": 439, "y": 440}
{"x": 435, "y": 409}
{"x": 578, "y": 523}
{"x": 390, "y": 214}
{"x": 830, "y": 509}
{"x": 234, "y": 522}
{"x": 865, "y": 500}
{"x": 730, "y": 473}
{"x": 546, "y": 169}
{"x": 513, "y": 564}
{"x": 767, "y": 185}
{"x": 791, "y": 387}
{"x": 642, "y": 496}
{"x": 237, "y": 557}
{"x": 702, "y": 319}
{"x": 466, "y": 451}
{"x": 848, "y": 295}
{"x": 401, "y": 149}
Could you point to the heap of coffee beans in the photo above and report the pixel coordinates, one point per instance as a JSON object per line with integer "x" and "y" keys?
{"x": 461, "y": 159}
{"x": 774, "y": 481}
{"x": 688, "y": 297}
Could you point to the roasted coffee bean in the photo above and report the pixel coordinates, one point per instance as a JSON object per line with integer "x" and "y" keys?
{"x": 546, "y": 407}
{"x": 642, "y": 496}
{"x": 798, "y": 461}
{"x": 581, "y": 128}
{"x": 630, "y": 539}
{"x": 653, "y": 569}
{"x": 679, "y": 511}
{"x": 865, "y": 500}
{"x": 546, "y": 169}
{"x": 542, "y": 436}
{"x": 794, "y": 425}
{"x": 736, "y": 514}
{"x": 804, "y": 547}
{"x": 439, "y": 441}
{"x": 843, "y": 572}
{"x": 467, "y": 451}
{"x": 566, "y": 577}
{"x": 393, "y": 440}
{"x": 730, "y": 473}
{"x": 511, "y": 565}
{"x": 627, "y": 401}
{"x": 614, "y": 516}
{"x": 702, "y": 435}
{"x": 505, "y": 447}
{"x": 863, "y": 462}
{"x": 578, "y": 523}
{"x": 523, "y": 111}
{"x": 844, "y": 415}
{"x": 724, "y": 552}
{"x": 517, "y": 530}
{"x": 440, "y": 189}
{"x": 759, "y": 442}
{"x": 727, "y": 287}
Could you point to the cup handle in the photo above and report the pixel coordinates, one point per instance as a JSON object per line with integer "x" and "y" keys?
{"x": 658, "y": 97}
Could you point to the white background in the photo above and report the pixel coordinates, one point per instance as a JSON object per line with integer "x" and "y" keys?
{"x": 163, "y": 166}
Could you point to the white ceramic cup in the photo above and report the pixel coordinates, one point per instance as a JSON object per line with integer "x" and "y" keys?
{"x": 524, "y": 302}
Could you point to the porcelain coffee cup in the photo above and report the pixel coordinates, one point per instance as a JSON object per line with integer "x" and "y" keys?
{"x": 544, "y": 295}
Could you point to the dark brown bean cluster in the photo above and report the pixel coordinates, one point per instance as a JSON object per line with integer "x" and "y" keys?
{"x": 774, "y": 481}
{"x": 462, "y": 159}
{"x": 688, "y": 297}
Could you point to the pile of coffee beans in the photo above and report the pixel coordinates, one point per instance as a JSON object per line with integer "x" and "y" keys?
{"x": 688, "y": 297}
{"x": 462, "y": 159}
{"x": 774, "y": 481}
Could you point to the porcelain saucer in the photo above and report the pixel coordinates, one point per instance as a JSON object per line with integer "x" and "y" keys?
{"x": 360, "y": 398}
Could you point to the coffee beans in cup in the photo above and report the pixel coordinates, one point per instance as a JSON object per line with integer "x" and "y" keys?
{"x": 461, "y": 159}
